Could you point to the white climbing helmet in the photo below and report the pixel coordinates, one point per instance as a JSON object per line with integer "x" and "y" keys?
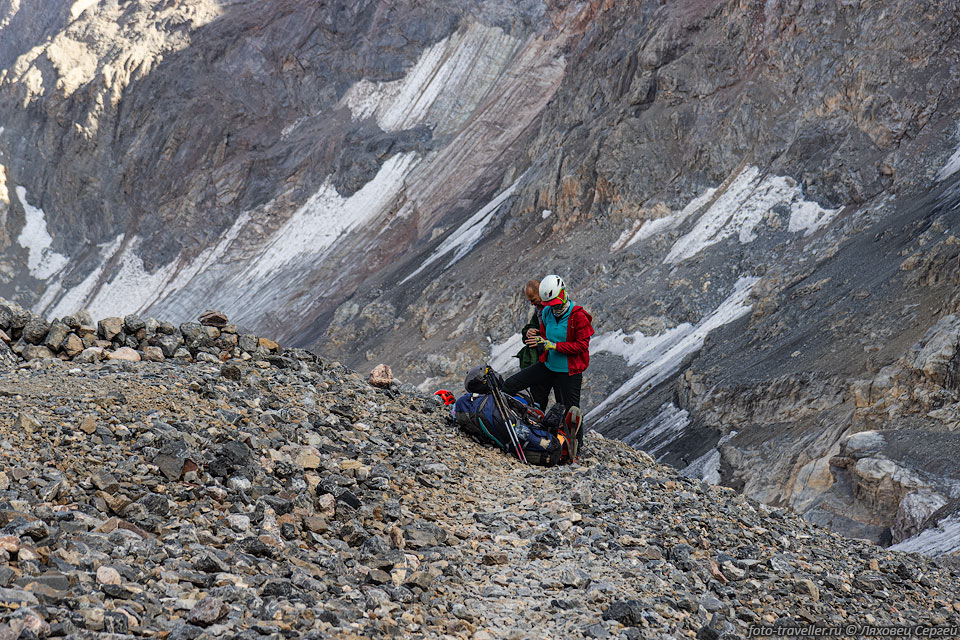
{"x": 552, "y": 291}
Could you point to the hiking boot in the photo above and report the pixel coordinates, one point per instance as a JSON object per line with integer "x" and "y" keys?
{"x": 572, "y": 421}
{"x": 554, "y": 418}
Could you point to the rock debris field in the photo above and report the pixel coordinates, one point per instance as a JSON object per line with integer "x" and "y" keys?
{"x": 283, "y": 496}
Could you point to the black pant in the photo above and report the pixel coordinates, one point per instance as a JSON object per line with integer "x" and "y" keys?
{"x": 540, "y": 380}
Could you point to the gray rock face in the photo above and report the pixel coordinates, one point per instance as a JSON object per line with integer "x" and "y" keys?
{"x": 935, "y": 356}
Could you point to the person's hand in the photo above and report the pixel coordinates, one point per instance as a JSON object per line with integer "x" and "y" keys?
{"x": 532, "y": 337}
{"x": 535, "y": 341}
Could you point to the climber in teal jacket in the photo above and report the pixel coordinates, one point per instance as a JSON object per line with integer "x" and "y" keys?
{"x": 564, "y": 336}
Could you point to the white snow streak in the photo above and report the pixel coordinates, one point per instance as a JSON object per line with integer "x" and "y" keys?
{"x": 4, "y": 194}
{"x": 42, "y": 261}
{"x": 501, "y": 355}
{"x": 327, "y": 216}
{"x": 935, "y": 541}
{"x": 308, "y": 233}
{"x": 740, "y": 208}
{"x": 76, "y": 298}
{"x": 132, "y": 289}
{"x": 707, "y": 466}
{"x": 953, "y": 164}
{"x": 670, "y": 222}
{"x": 468, "y": 234}
{"x": 636, "y": 348}
{"x": 80, "y": 6}
{"x": 710, "y": 469}
{"x": 448, "y": 80}
{"x": 662, "y": 355}
{"x": 660, "y": 430}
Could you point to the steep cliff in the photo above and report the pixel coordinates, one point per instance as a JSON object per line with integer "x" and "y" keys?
{"x": 756, "y": 200}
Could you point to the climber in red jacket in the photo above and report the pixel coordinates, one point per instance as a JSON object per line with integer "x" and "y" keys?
{"x": 564, "y": 334}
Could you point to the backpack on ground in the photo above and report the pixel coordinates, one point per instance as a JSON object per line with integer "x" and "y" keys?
{"x": 477, "y": 415}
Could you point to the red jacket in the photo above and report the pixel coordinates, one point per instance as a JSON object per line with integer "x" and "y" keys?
{"x": 577, "y": 346}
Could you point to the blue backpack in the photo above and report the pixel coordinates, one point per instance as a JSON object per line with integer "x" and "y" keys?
{"x": 477, "y": 415}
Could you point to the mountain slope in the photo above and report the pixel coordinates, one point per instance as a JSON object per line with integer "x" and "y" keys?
{"x": 752, "y": 198}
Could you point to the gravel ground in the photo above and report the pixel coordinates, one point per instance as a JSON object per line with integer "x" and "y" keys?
{"x": 288, "y": 498}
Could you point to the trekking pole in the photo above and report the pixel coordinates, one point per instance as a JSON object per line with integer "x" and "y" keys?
{"x": 491, "y": 383}
{"x": 508, "y": 419}
{"x": 511, "y": 425}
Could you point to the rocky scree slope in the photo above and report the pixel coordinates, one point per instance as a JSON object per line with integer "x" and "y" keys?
{"x": 285, "y": 497}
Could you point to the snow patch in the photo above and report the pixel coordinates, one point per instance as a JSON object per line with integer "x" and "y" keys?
{"x": 740, "y": 207}
{"x": 448, "y": 79}
{"x": 468, "y": 234}
{"x": 80, "y": 6}
{"x": 546, "y": 213}
{"x": 327, "y": 216}
{"x": 936, "y": 541}
{"x": 76, "y": 297}
{"x": 132, "y": 289}
{"x": 627, "y": 237}
{"x": 637, "y": 348}
{"x": 670, "y": 222}
{"x": 659, "y": 431}
{"x": 4, "y": 193}
{"x": 662, "y": 355}
{"x": 809, "y": 217}
{"x": 952, "y": 166}
{"x": 707, "y": 466}
{"x": 501, "y": 355}
{"x": 865, "y": 442}
{"x": 42, "y": 261}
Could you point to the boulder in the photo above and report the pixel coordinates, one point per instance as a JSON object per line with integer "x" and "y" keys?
{"x": 167, "y": 342}
{"x": 72, "y": 345}
{"x": 381, "y": 376}
{"x": 56, "y": 335}
{"x": 108, "y": 328}
{"x": 132, "y": 324}
{"x": 268, "y": 344}
{"x": 166, "y": 328}
{"x": 36, "y": 352}
{"x": 6, "y": 317}
{"x": 248, "y": 343}
{"x": 124, "y": 353}
{"x": 90, "y": 355}
{"x": 35, "y": 330}
{"x": 213, "y": 319}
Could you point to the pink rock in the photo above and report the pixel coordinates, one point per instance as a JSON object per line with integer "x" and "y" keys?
{"x": 124, "y": 353}
{"x": 108, "y": 575}
{"x": 327, "y": 504}
{"x": 381, "y": 376}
